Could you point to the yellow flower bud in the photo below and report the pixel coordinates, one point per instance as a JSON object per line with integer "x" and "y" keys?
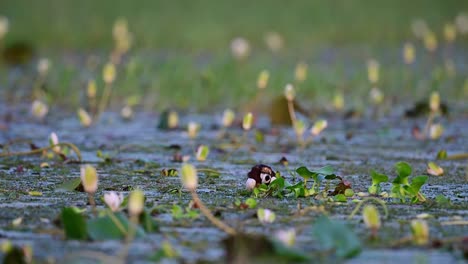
{"x": 371, "y": 217}
{"x": 89, "y": 178}
{"x": 109, "y": 73}
{"x": 84, "y": 117}
{"x": 262, "y": 80}
{"x": 430, "y": 41}
{"x": 289, "y": 92}
{"x": 373, "y": 71}
{"x": 91, "y": 89}
{"x": 301, "y": 72}
{"x": 189, "y": 177}
{"x": 136, "y": 202}
{"x": 228, "y": 117}
{"x": 450, "y": 32}
{"x": 409, "y": 53}
{"x": 420, "y": 231}
{"x": 434, "y": 102}
{"x": 247, "y": 121}
{"x": 318, "y": 127}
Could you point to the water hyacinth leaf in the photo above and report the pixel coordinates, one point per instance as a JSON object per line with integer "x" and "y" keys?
{"x": 378, "y": 178}
{"x": 104, "y": 228}
{"x": 335, "y": 235}
{"x": 403, "y": 169}
{"x": 74, "y": 223}
{"x": 251, "y": 203}
{"x": 417, "y": 182}
{"x": 305, "y": 173}
{"x": 341, "y": 198}
{"x": 71, "y": 185}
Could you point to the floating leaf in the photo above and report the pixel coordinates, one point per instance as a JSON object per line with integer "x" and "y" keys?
{"x": 434, "y": 169}
{"x": 148, "y": 223}
{"x": 335, "y": 235}
{"x": 71, "y": 185}
{"x": 104, "y": 228}
{"x": 74, "y": 223}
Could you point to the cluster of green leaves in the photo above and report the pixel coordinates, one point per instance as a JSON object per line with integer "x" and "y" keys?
{"x": 106, "y": 225}
{"x": 280, "y": 187}
{"x": 180, "y": 213}
{"x": 403, "y": 188}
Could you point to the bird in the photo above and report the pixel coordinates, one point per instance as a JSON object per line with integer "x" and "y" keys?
{"x": 260, "y": 174}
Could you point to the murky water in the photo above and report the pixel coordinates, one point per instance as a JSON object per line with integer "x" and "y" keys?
{"x": 139, "y": 154}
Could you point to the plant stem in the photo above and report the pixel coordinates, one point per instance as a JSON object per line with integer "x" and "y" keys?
{"x": 92, "y": 202}
{"x": 215, "y": 221}
{"x": 104, "y": 100}
{"x": 369, "y": 199}
{"x": 117, "y": 222}
{"x": 40, "y": 150}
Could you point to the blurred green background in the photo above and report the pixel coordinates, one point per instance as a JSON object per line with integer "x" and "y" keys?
{"x": 181, "y": 55}
{"x": 211, "y": 24}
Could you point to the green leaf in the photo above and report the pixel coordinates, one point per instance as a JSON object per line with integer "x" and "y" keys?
{"x": 148, "y": 223}
{"x": 327, "y": 170}
{"x": 340, "y": 198}
{"x": 70, "y": 185}
{"x": 74, "y": 223}
{"x": 417, "y": 182}
{"x": 335, "y": 235}
{"x": 305, "y": 173}
{"x": 378, "y": 178}
{"x": 104, "y": 228}
{"x": 442, "y": 154}
{"x": 403, "y": 169}
{"x": 251, "y": 202}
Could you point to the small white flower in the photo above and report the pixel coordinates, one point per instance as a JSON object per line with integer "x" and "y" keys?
{"x": 113, "y": 200}
{"x": 39, "y": 109}
{"x": 126, "y": 112}
{"x": 53, "y": 140}
{"x": 4, "y": 25}
{"x": 228, "y": 117}
{"x": 136, "y": 202}
{"x": 43, "y": 66}
{"x": 266, "y": 216}
{"x": 240, "y": 48}
{"x": 287, "y": 237}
